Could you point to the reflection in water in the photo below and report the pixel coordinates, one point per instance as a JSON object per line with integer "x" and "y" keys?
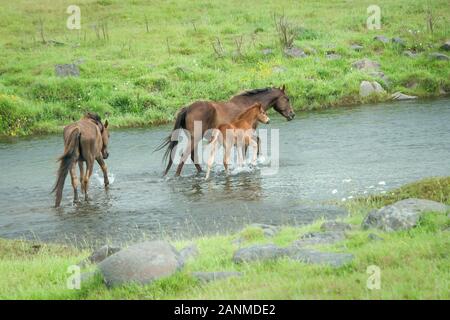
{"x": 330, "y": 155}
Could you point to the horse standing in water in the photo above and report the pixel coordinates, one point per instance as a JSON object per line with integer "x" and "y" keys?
{"x": 84, "y": 141}
{"x": 240, "y": 133}
{"x": 212, "y": 114}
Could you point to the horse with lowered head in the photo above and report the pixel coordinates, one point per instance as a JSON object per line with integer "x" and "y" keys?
{"x": 212, "y": 114}
{"x": 84, "y": 141}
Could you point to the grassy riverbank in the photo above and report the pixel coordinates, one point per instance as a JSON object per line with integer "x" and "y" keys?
{"x": 140, "y": 61}
{"x": 414, "y": 264}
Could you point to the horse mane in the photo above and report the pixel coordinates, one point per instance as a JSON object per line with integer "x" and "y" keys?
{"x": 94, "y": 117}
{"x": 249, "y": 93}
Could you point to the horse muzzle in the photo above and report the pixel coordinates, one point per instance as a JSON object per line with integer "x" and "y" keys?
{"x": 290, "y": 116}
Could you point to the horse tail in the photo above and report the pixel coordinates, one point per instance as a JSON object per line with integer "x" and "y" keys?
{"x": 180, "y": 123}
{"x": 71, "y": 153}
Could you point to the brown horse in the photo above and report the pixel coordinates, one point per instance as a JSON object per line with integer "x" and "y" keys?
{"x": 84, "y": 141}
{"x": 212, "y": 114}
{"x": 240, "y": 133}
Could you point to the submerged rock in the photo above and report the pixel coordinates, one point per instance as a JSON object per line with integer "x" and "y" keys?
{"x": 141, "y": 263}
{"x": 212, "y": 276}
{"x": 401, "y": 215}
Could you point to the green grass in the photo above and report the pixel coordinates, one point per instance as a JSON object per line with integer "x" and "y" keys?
{"x": 140, "y": 78}
{"x": 414, "y": 264}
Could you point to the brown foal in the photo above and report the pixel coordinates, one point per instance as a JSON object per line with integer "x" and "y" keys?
{"x": 84, "y": 141}
{"x": 239, "y": 133}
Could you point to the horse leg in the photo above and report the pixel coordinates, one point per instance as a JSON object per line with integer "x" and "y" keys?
{"x": 194, "y": 152}
{"x": 255, "y": 151}
{"x": 211, "y": 156}
{"x": 182, "y": 161}
{"x": 81, "y": 166}
{"x": 74, "y": 178}
{"x": 258, "y": 146}
{"x": 89, "y": 171}
{"x": 104, "y": 168}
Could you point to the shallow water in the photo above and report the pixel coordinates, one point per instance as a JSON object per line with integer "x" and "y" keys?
{"x": 331, "y": 155}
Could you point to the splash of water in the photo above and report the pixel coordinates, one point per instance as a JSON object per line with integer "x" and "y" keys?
{"x": 99, "y": 177}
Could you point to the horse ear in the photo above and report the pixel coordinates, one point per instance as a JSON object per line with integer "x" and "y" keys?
{"x": 106, "y": 124}
{"x": 283, "y": 88}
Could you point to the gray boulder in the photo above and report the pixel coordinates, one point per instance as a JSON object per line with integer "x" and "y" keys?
{"x": 100, "y": 254}
{"x": 410, "y": 54}
{"x": 267, "y": 52}
{"x": 335, "y": 226}
{"x": 141, "y": 263}
{"x": 446, "y": 46}
{"x": 368, "y": 88}
{"x": 295, "y": 52}
{"x": 67, "y": 70}
{"x": 398, "y": 41}
{"x": 401, "y": 215}
{"x": 439, "y": 56}
{"x": 365, "y": 64}
{"x": 356, "y": 47}
{"x": 332, "y": 259}
{"x": 262, "y": 252}
{"x": 382, "y": 39}
{"x": 374, "y": 237}
{"x": 400, "y": 96}
{"x": 333, "y": 56}
{"x": 317, "y": 238}
{"x": 268, "y": 230}
{"x": 212, "y": 276}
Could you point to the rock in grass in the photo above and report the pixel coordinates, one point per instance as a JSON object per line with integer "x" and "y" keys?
{"x": 268, "y": 230}
{"x": 295, "y": 52}
{"x": 141, "y": 263}
{"x": 439, "y": 56}
{"x": 401, "y": 96}
{"x": 374, "y": 237}
{"x": 261, "y": 252}
{"x": 333, "y": 56}
{"x": 100, "y": 254}
{"x": 365, "y": 64}
{"x": 188, "y": 252}
{"x": 356, "y": 47}
{"x": 368, "y": 88}
{"x": 67, "y": 70}
{"x": 317, "y": 238}
{"x": 410, "y": 54}
{"x": 446, "y": 46}
{"x": 381, "y": 39}
{"x": 332, "y": 259}
{"x": 335, "y": 226}
{"x": 212, "y": 276}
{"x": 398, "y": 41}
{"x": 401, "y": 215}
{"x": 267, "y": 52}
